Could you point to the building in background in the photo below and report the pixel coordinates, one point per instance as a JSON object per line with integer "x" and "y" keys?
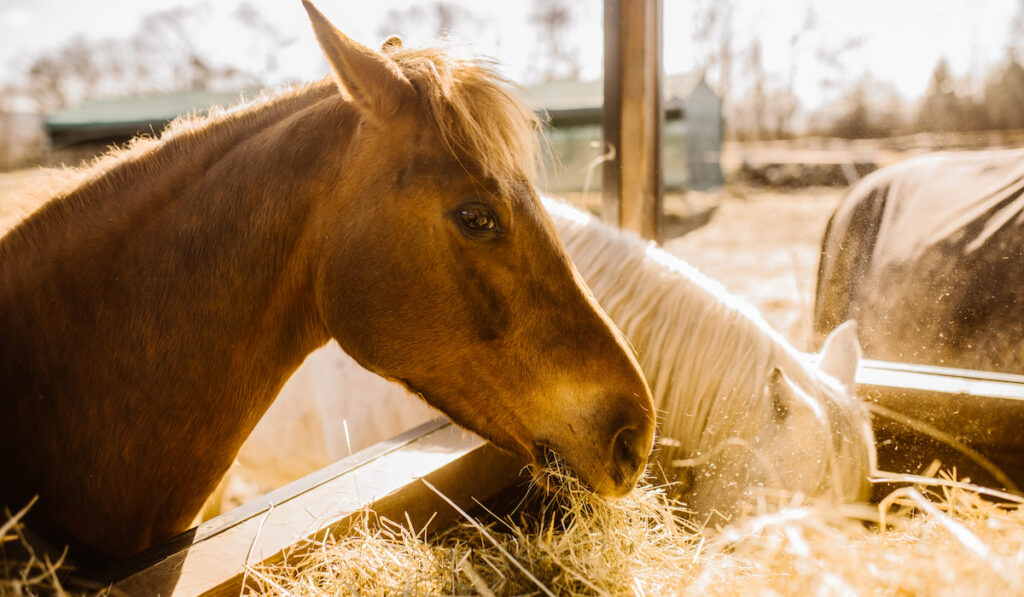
{"x": 692, "y": 139}
{"x": 698, "y": 133}
{"x": 83, "y": 131}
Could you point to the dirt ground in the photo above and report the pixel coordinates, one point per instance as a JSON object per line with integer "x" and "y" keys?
{"x": 761, "y": 244}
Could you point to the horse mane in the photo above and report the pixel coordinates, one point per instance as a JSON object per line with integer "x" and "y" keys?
{"x": 145, "y": 157}
{"x": 477, "y": 111}
{"x": 712, "y": 351}
{"x": 188, "y": 130}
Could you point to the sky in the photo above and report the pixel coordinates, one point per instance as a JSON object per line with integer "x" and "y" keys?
{"x": 900, "y": 40}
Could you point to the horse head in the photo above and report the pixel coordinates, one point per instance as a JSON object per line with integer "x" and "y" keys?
{"x": 439, "y": 267}
{"x": 804, "y": 434}
{"x": 742, "y": 414}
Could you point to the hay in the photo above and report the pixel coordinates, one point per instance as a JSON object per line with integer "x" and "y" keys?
{"x": 27, "y": 571}
{"x": 22, "y": 572}
{"x": 937, "y": 537}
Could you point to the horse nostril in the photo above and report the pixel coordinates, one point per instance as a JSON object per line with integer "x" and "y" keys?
{"x": 628, "y": 454}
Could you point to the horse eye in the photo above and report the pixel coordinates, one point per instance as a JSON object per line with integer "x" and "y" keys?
{"x": 477, "y": 219}
{"x": 780, "y": 410}
{"x": 779, "y": 393}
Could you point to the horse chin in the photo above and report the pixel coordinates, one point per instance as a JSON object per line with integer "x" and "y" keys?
{"x": 552, "y": 474}
{"x": 557, "y": 477}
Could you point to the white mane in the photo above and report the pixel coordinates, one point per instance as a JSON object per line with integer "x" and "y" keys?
{"x": 707, "y": 354}
{"x": 711, "y": 350}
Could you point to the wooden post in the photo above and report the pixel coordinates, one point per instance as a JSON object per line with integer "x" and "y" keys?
{"x": 632, "y": 117}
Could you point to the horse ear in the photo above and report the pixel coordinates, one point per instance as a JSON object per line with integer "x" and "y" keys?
{"x": 391, "y": 44}
{"x": 841, "y": 353}
{"x": 779, "y": 392}
{"x": 374, "y": 81}
{"x": 785, "y": 395}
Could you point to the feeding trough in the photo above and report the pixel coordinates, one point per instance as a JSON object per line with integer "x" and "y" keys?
{"x": 387, "y": 479}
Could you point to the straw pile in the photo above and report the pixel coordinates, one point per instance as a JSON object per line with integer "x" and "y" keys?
{"x": 934, "y": 538}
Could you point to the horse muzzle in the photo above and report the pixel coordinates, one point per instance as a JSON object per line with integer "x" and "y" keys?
{"x": 610, "y": 469}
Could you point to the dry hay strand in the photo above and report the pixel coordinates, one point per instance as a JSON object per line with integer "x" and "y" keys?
{"x": 571, "y": 542}
{"x": 22, "y": 572}
{"x": 28, "y": 570}
{"x": 934, "y": 537}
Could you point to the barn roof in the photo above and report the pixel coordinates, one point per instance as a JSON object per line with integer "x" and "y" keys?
{"x": 567, "y": 102}
{"x": 563, "y": 95}
{"x": 103, "y": 118}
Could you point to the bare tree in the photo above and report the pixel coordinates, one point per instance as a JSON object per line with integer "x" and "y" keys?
{"x": 786, "y": 102}
{"x": 753, "y": 104}
{"x": 436, "y": 20}
{"x": 265, "y": 31}
{"x": 942, "y": 109}
{"x": 166, "y": 37}
{"x": 1017, "y": 27}
{"x": 831, "y": 56}
{"x": 714, "y": 34}
{"x": 1004, "y": 93}
{"x": 854, "y": 122}
{"x": 45, "y": 84}
{"x": 557, "y": 54}
{"x": 162, "y": 55}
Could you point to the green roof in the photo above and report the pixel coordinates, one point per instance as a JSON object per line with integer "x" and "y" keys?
{"x": 555, "y": 96}
{"x": 149, "y": 108}
{"x": 126, "y": 116}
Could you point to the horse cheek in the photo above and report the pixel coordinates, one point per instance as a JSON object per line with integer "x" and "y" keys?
{"x": 486, "y": 313}
{"x": 379, "y": 302}
{"x": 348, "y": 286}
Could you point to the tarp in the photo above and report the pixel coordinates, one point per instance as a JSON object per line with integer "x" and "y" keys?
{"x": 927, "y": 256}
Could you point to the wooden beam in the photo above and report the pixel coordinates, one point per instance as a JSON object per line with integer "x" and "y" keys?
{"x": 979, "y": 413}
{"x": 974, "y": 407}
{"x": 384, "y": 478}
{"x": 632, "y": 118}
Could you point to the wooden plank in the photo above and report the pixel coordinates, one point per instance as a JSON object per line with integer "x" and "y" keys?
{"x": 978, "y": 408}
{"x": 978, "y": 417}
{"x": 384, "y": 478}
{"x": 632, "y": 117}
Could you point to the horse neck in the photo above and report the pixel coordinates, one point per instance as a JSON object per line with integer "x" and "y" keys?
{"x": 706, "y": 353}
{"x": 177, "y": 287}
{"x": 184, "y": 181}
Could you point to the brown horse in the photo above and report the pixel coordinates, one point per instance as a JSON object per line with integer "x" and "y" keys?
{"x": 150, "y": 314}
